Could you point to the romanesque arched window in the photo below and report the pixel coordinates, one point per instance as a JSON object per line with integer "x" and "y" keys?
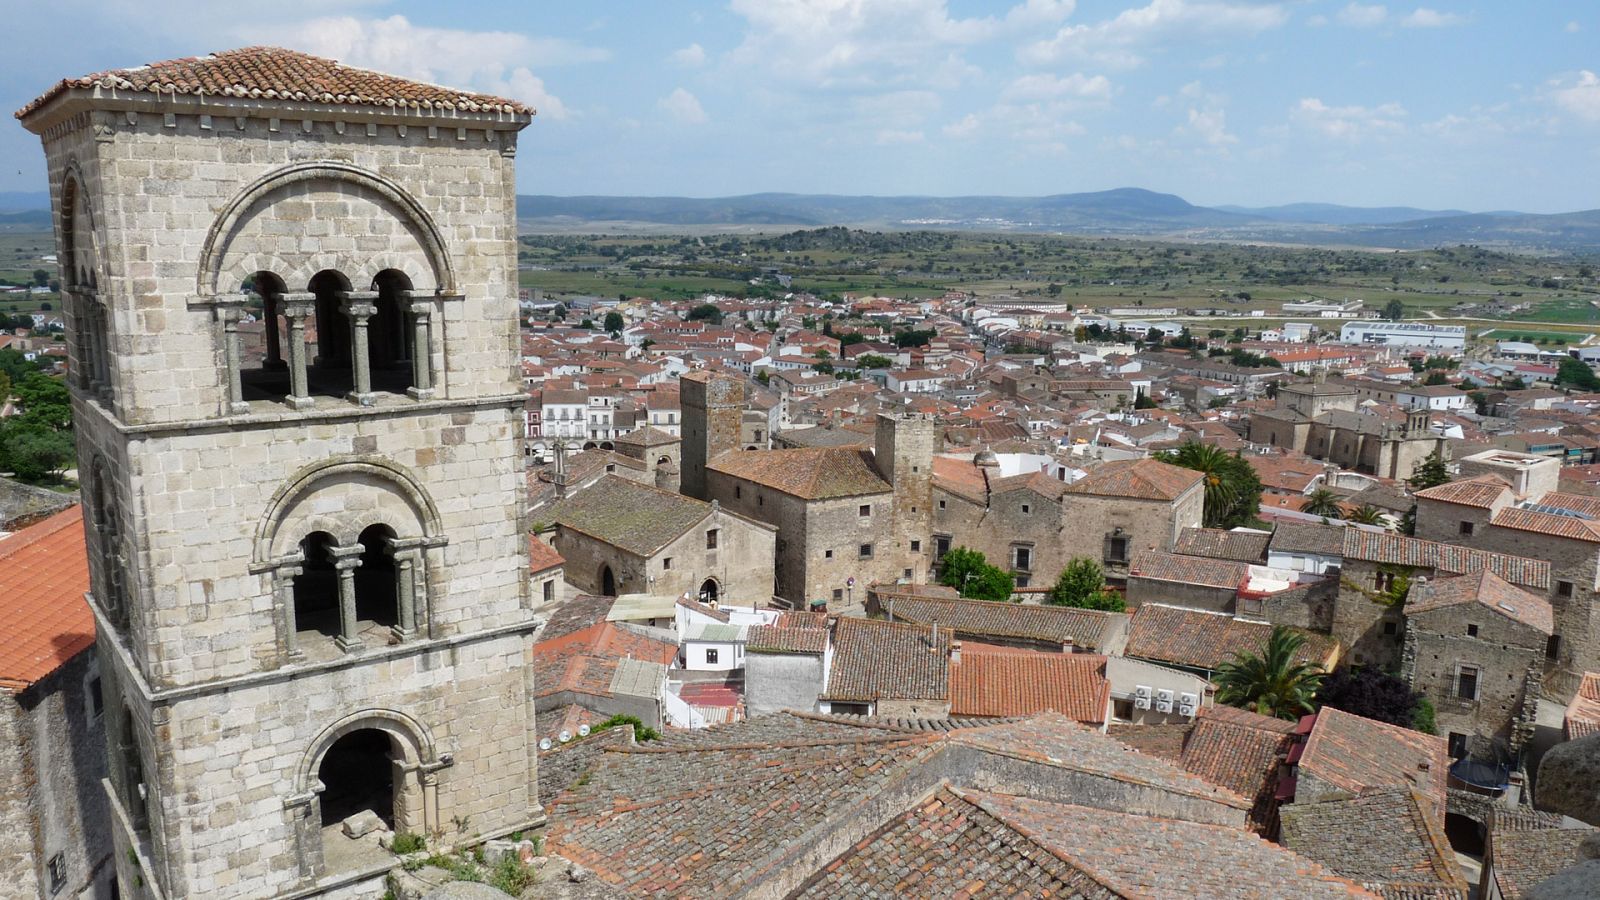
{"x": 130, "y": 759}
{"x": 377, "y": 580}
{"x": 391, "y": 337}
{"x": 106, "y": 518}
{"x": 331, "y": 371}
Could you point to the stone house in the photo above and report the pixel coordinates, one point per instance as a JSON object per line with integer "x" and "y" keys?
{"x": 309, "y": 573}
{"x": 1193, "y": 582}
{"x": 892, "y": 669}
{"x": 55, "y": 833}
{"x": 1323, "y": 421}
{"x": 1344, "y": 754}
{"x": 1476, "y": 645}
{"x": 658, "y": 450}
{"x": 621, "y": 537}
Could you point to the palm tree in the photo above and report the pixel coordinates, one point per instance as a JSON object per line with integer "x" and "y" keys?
{"x": 1216, "y": 465}
{"x": 1322, "y": 502}
{"x": 1272, "y": 684}
{"x": 1367, "y": 515}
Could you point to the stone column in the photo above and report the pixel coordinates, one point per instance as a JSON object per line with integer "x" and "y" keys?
{"x": 359, "y": 307}
{"x": 430, "y": 800}
{"x": 407, "y": 566}
{"x": 229, "y": 313}
{"x": 296, "y": 309}
{"x": 283, "y": 598}
{"x": 307, "y": 813}
{"x": 421, "y": 309}
{"x": 270, "y": 304}
{"x": 345, "y": 561}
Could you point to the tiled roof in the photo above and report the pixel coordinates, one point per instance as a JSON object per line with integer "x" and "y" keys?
{"x": 1219, "y": 543}
{"x": 575, "y": 612}
{"x": 1583, "y": 713}
{"x": 272, "y": 73}
{"x": 1548, "y": 523}
{"x": 1164, "y": 741}
{"x": 44, "y": 573}
{"x": 1164, "y": 859}
{"x": 1056, "y": 624}
{"x": 1354, "y": 753}
{"x": 1578, "y": 503}
{"x": 818, "y": 473}
{"x": 542, "y": 556}
{"x": 1205, "y": 640}
{"x": 1481, "y": 492}
{"x": 1240, "y": 750}
{"x": 1397, "y": 549}
{"x": 1159, "y": 565}
{"x": 1137, "y": 479}
{"x": 593, "y": 660}
{"x": 1485, "y": 588}
{"x": 778, "y": 639}
{"x": 875, "y": 660}
{"x": 648, "y": 436}
{"x": 1308, "y": 537}
{"x": 1037, "y": 482}
{"x": 1413, "y": 852}
{"x": 1522, "y": 859}
{"x": 638, "y": 518}
{"x": 960, "y": 476}
{"x": 1021, "y": 684}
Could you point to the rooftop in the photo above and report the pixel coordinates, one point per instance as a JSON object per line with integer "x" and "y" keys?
{"x": 1354, "y": 754}
{"x": 273, "y": 73}
{"x": 1019, "y": 684}
{"x": 1158, "y": 565}
{"x": 635, "y": 517}
{"x": 44, "y": 573}
{"x": 1413, "y": 853}
{"x": 1138, "y": 479}
{"x": 1481, "y": 492}
{"x": 812, "y": 473}
{"x": 1486, "y": 589}
{"x": 1206, "y": 640}
{"x": 1219, "y": 543}
{"x": 1397, "y": 549}
{"x": 1055, "y": 624}
{"x": 875, "y": 660}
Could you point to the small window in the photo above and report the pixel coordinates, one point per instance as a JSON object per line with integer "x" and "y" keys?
{"x": 914, "y": 469}
{"x": 905, "y": 573}
{"x": 550, "y": 591}
{"x": 666, "y": 563}
{"x": 760, "y": 500}
{"x": 1026, "y": 509}
{"x": 865, "y": 510}
{"x": 941, "y": 504}
{"x": 711, "y": 657}
{"x": 97, "y": 700}
{"x": 838, "y": 594}
{"x": 1458, "y": 745}
{"x": 1022, "y": 558}
{"x": 611, "y": 467}
{"x": 1552, "y": 647}
{"x": 941, "y": 546}
{"x": 1466, "y": 528}
{"x": 1467, "y": 683}
{"x": 1117, "y": 549}
{"x": 866, "y": 551}
{"x": 58, "y": 872}
{"x": 1472, "y": 630}
{"x": 827, "y": 554}
{"x": 711, "y": 539}
{"x": 1122, "y": 710}
{"x": 1021, "y": 581}
{"x": 738, "y": 492}
{"x": 1391, "y": 628}
{"x": 916, "y": 546}
{"x": 1564, "y": 588}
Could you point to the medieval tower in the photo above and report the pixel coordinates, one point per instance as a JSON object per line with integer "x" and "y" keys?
{"x": 292, "y": 327}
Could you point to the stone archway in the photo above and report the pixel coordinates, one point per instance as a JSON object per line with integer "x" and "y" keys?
{"x": 608, "y": 582}
{"x": 710, "y": 591}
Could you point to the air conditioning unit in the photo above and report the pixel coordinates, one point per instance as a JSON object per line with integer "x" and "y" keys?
{"x": 1141, "y": 696}
{"x": 1188, "y": 704}
{"x": 1164, "y": 701}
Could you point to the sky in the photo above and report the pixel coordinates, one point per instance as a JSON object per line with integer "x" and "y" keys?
{"x": 1478, "y": 106}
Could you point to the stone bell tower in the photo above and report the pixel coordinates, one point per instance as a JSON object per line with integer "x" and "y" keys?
{"x": 291, "y": 297}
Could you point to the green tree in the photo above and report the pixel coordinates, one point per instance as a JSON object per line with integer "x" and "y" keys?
{"x": 1513, "y": 383}
{"x": 34, "y": 452}
{"x": 613, "y": 322}
{"x": 1435, "y": 377}
{"x": 1366, "y": 515}
{"x": 1232, "y": 488}
{"x": 1576, "y": 372}
{"x": 15, "y": 365}
{"x": 41, "y": 277}
{"x": 1272, "y": 683}
{"x": 706, "y": 312}
{"x": 971, "y": 573}
{"x": 1394, "y": 310}
{"x": 1430, "y": 472}
{"x": 1322, "y": 502}
{"x": 5, "y": 387}
{"x": 1370, "y": 693}
{"x": 764, "y": 377}
{"x": 1143, "y": 401}
{"x": 873, "y": 361}
{"x": 1083, "y": 584}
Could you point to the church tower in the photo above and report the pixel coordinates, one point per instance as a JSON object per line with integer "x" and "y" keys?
{"x": 291, "y": 302}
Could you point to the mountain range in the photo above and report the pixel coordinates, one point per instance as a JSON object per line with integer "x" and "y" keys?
{"x": 1123, "y": 212}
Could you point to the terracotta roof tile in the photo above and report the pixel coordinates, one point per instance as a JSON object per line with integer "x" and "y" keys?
{"x": 1020, "y": 684}
{"x": 1413, "y": 858}
{"x": 1164, "y": 741}
{"x": 1578, "y": 503}
{"x": 1354, "y": 753}
{"x": 1240, "y": 751}
{"x": 1139, "y": 479}
{"x": 44, "y": 573}
{"x": 1522, "y": 859}
{"x": 1583, "y": 713}
{"x": 1158, "y": 565}
{"x": 1550, "y": 524}
{"x": 816, "y": 473}
{"x": 1481, "y": 492}
{"x": 1397, "y": 549}
{"x": 1308, "y": 537}
{"x": 987, "y": 618}
{"x": 778, "y": 639}
{"x": 875, "y": 660}
{"x": 1485, "y": 588}
{"x": 638, "y": 518}
{"x": 542, "y": 556}
{"x": 274, "y": 73}
{"x": 1205, "y": 640}
{"x": 1219, "y": 543}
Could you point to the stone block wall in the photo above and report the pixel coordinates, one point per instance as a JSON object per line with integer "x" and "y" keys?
{"x": 1438, "y": 644}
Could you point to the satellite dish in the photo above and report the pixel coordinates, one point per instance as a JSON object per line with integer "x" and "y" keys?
{"x": 544, "y": 744}
{"x": 564, "y": 736}
{"x": 583, "y": 731}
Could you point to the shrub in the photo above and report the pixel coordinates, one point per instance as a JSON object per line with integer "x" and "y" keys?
{"x": 406, "y": 842}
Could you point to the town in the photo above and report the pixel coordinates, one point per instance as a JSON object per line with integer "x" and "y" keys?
{"x": 339, "y": 560}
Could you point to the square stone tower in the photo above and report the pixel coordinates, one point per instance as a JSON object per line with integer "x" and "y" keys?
{"x": 292, "y": 331}
{"x": 713, "y": 413}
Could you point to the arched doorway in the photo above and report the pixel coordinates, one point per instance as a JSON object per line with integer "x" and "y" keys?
{"x": 608, "y": 582}
{"x": 710, "y": 591}
{"x": 357, "y": 774}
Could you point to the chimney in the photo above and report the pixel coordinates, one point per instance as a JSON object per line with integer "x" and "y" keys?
{"x": 955, "y": 651}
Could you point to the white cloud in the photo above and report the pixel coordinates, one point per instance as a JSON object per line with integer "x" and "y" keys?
{"x": 1206, "y": 119}
{"x": 499, "y": 62}
{"x": 1578, "y": 95}
{"x": 889, "y": 136}
{"x": 965, "y": 127}
{"x": 684, "y": 107}
{"x": 1046, "y": 87}
{"x": 1348, "y": 123}
{"x": 1358, "y": 16}
{"x": 1422, "y": 17}
{"x": 1317, "y": 21}
{"x": 692, "y": 56}
{"x": 1118, "y": 41}
{"x": 1573, "y": 27}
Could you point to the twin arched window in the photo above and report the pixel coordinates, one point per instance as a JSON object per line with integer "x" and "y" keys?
{"x": 356, "y": 595}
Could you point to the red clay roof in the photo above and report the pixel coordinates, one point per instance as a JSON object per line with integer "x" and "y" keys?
{"x": 1139, "y": 479}
{"x": 1481, "y": 492}
{"x": 542, "y": 556}
{"x": 1488, "y": 589}
{"x": 815, "y": 473}
{"x": 1021, "y": 684}
{"x": 1354, "y": 753}
{"x": 1397, "y": 549}
{"x": 1583, "y": 713}
{"x": 44, "y": 573}
{"x": 273, "y": 73}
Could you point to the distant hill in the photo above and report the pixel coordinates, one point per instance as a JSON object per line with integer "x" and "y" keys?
{"x": 1561, "y": 231}
{"x": 1334, "y": 214}
{"x": 24, "y": 201}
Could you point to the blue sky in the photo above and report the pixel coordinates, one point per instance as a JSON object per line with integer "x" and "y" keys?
{"x": 1491, "y": 105}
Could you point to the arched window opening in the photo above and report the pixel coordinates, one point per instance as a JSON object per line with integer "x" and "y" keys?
{"x": 664, "y": 461}
{"x": 316, "y": 590}
{"x": 608, "y": 582}
{"x": 709, "y": 593}
{"x": 391, "y": 333}
{"x": 263, "y": 339}
{"x": 377, "y": 584}
{"x": 107, "y": 525}
{"x": 331, "y": 373}
{"x": 357, "y": 775}
{"x": 135, "y": 794}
